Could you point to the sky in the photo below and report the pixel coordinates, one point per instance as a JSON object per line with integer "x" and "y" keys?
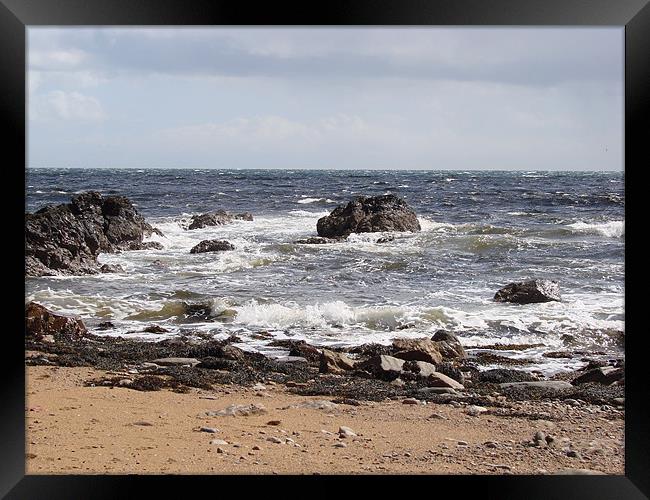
{"x": 329, "y": 98}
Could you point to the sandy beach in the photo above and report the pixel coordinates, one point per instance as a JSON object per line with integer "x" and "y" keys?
{"x": 73, "y": 428}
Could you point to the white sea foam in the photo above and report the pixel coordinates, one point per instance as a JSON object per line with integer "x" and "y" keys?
{"x": 611, "y": 229}
{"x": 315, "y": 200}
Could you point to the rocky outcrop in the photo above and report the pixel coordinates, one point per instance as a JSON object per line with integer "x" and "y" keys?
{"x": 212, "y": 246}
{"x": 417, "y": 350}
{"x": 529, "y": 292}
{"x": 43, "y": 325}
{"x": 67, "y": 238}
{"x": 217, "y": 218}
{"x": 369, "y": 215}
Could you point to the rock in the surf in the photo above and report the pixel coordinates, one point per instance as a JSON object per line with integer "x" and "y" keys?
{"x": 212, "y": 246}
{"x": 41, "y": 324}
{"x": 111, "y": 268}
{"x": 602, "y": 375}
{"x": 369, "y": 215}
{"x": 529, "y": 292}
{"x": 67, "y": 238}
{"x": 316, "y": 240}
{"x": 218, "y": 218}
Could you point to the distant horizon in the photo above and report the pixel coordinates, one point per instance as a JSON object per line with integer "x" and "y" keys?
{"x": 295, "y": 98}
{"x": 331, "y": 169}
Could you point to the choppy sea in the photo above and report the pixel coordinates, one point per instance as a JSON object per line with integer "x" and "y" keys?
{"x": 480, "y": 231}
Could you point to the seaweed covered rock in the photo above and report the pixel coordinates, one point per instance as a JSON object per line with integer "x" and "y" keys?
{"x": 369, "y": 215}
{"x": 41, "y": 324}
{"x": 529, "y": 292}
{"x": 217, "y": 218}
{"x": 67, "y": 238}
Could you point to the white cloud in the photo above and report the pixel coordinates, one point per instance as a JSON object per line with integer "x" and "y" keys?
{"x": 61, "y": 105}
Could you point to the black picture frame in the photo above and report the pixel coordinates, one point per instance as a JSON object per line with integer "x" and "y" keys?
{"x": 17, "y": 15}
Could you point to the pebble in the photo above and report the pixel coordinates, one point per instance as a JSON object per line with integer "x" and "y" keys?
{"x": 475, "y": 411}
{"x": 340, "y": 445}
{"x": 411, "y": 401}
{"x": 573, "y": 454}
{"x": 259, "y": 387}
{"x": 211, "y": 430}
{"x": 219, "y": 450}
{"x": 275, "y": 440}
{"x": 220, "y": 442}
{"x": 256, "y": 448}
{"x": 436, "y": 416}
{"x": 274, "y": 422}
{"x": 345, "y": 432}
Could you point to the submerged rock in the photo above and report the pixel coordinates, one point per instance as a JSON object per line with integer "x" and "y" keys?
{"x": 317, "y": 240}
{"x": 212, "y": 246}
{"x": 217, "y": 218}
{"x": 111, "y": 268}
{"x": 369, "y": 215}
{"x": 67, "y": 238}
{"x": 41, "y": 324}
{"x": 529, "y": 292}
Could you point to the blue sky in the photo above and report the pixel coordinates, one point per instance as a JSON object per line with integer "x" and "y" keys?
{"x": 360, "y": 98}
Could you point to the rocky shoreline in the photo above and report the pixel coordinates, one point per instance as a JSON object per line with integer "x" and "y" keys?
{"x": 436, "y": 369}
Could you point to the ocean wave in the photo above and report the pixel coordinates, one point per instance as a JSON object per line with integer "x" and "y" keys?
{"x": 315, "y": 200}
{"x": 611, "y": 229}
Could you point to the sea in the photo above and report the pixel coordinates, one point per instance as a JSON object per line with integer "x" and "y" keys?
{"x": 480, "y": 231}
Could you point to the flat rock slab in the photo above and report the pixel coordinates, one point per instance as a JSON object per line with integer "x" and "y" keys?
{"x": 176, "y": 361}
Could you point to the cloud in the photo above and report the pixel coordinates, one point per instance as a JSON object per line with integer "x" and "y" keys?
{"x": 531, "y": 56}
{"x": 67, "y": 106}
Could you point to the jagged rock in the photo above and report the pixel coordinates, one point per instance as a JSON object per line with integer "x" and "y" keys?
{"x": 367, "y": 215}
{"x": 417, "y": 350}
{"x": 529, "y": 292}
{"x": 217, "y": 218}
{"x": 111, "y": 268}
{"x": 42, "y": 324}
{"x": 448, "y": 345}
{"x": 602, "y": 375}
{"x": 335, "y": 362}
{"x": 67, "y": 238}
{"x": 212, "y": 246}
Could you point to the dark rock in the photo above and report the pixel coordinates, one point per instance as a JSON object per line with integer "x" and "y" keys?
{"x": 42, "y": 324}
{"x": 67, "y": 238}
{"x": 155, "y": 329}
{"x": 602, "y": 375}
{"x": 302, "y": 348}
{"x": 111, "y": 268}
{"x": 448, "y": 345}
{"x": 367, "y": 215}
{"x": 529, "y": 292}
{"x": 217, "y": 218}
{"x": 335, "y": 362}
{"x": 316, "y": 240}
{"x": 151, "y": 245}
{"x": 504, "y": 375}
{"x": 452, "y": 371}
{"x": 552, "y": 385}
{"x": 106, "y": 325}
{"x": 212, "y": 246}
{"x": 386, "y": 239}
{"x": 200, "y": 311}
{"x": 417, "y": 350}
